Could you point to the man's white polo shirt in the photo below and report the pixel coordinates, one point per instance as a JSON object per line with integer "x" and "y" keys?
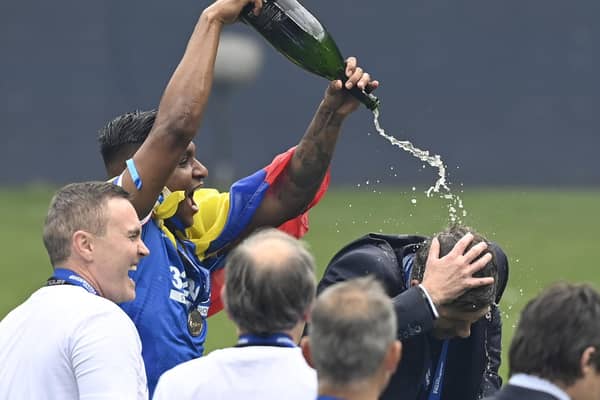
{"x": 254, "y": 372}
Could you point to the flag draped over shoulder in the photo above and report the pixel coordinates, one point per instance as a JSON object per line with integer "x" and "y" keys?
{"x": 222, "y": 217}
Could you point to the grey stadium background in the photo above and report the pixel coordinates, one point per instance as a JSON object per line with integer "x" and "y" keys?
{"x": 506, "y": 91}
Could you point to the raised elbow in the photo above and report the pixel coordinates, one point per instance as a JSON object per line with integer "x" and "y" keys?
{"x": 182, "y": 123}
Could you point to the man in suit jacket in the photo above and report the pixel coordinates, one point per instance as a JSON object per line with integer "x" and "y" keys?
{"x": 555, "y": 351}
{"x": 445, "y": 291}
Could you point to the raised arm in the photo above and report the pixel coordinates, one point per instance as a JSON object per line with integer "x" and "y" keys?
{"x": 293, "y": 191}
{"x": 181, "y": 107}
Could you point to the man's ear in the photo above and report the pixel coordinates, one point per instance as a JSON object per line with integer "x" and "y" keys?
{"x": 225, "y": 307}
{"x": 82, "y": 245}
{"x": 393, "y": 356}
{"x": 305, "y": 345}
{"x": 585, "y": 363}
{"x": 414, "y": 282}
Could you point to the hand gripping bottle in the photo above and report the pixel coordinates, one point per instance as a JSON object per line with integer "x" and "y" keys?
{"x": 297, "y": 34}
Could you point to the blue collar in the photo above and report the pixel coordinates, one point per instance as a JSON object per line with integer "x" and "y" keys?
{"x": 276, "y": 339}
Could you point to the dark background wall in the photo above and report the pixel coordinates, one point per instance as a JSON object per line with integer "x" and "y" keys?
{"x": 506, "y": 91}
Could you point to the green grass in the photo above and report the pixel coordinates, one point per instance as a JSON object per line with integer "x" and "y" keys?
{"x": 548, "y": 235}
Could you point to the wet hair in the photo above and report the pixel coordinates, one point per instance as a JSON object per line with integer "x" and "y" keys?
{"x": 270, "y": 282}
{"x": 473, "y": 299}
{"x": 554, "y": 330}
{"x": 122, "y": 136}
{"x": 352, "y": 327}
{"x": 75, "y": 207}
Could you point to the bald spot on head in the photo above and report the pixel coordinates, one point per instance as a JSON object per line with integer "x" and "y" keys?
{"x": 271, "y": 252}
{"x": 269, "y": 282}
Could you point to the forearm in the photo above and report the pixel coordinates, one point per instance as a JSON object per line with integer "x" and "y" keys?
{"x": 179, "y": 114}
{"x": 414, "y": 314}
{"x": 303, "y": 175}
{"x": 187, "y": 92}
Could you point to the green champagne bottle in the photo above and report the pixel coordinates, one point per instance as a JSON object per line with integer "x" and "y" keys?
{"x": 298, "y": 35}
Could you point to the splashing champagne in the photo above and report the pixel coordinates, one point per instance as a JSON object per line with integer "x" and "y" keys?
{"x": 293, "y": 31}
{"x": 440, "y": 186}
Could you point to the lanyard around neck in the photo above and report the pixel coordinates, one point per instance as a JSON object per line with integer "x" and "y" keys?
{"x": 435, "y": 388}
{"x": 63, "y": 276}
{"x": 276, "y": 339}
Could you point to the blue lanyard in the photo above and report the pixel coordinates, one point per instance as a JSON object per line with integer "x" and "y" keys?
{"x": 276, "y": 339}
{"x": 63, "y": 276}
{"x": 407, "y": 265}
{"x": 435, "y": 387}
{"x": 323, "y": 397}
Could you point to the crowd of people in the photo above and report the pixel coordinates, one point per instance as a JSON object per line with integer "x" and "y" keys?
{"x": 140, "y": 261}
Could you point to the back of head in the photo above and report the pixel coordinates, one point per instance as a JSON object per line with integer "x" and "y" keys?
{"x": 352, "y": 327}
{"x": 122, "y": 136}
{"x": 473, "y": 299}
{"x": 554, "y": 330}
{"x": 270, "y": 283}
{"x": 78, "y": 206}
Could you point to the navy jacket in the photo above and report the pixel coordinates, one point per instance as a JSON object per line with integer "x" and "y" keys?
{"x": 511, "y": 392}
{"x": 470, "y": 374}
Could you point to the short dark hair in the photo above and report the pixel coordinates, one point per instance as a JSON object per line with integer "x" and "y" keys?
{"x": 123, "y": 135}
{"x": 267, "y": 290}
{"x": 554, "y": 330}
{"x": 473, "y": 299}
{"x": 77, "y": 206}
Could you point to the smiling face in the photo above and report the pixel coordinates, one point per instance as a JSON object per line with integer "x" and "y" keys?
{"x": 117, "y": 251}
{"x": 454, "y": 322}
{"x": 188, "y": 176}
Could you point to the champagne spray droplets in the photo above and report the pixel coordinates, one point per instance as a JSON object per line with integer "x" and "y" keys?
{"x": 441, "y": 187}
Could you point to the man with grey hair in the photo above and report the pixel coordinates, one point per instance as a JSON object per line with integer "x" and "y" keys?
{"x": 352, "y": 342}
{"x": 70, "y": 340}
{"x": 269, "y": 289}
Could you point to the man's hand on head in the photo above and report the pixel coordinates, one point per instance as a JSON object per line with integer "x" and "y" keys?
{"x": 448, "y": 277}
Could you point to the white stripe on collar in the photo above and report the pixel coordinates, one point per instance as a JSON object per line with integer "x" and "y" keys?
{"x": 539, "y": 384}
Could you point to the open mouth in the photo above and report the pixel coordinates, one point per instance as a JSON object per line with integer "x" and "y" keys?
{"x": 190, "y": 198}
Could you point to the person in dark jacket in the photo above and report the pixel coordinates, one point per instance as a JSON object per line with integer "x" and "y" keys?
{"x": 445, "y": 291}
{"x": 555, "y": 351}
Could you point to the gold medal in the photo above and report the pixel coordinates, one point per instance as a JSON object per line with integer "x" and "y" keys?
{"x": 195, "y": 322}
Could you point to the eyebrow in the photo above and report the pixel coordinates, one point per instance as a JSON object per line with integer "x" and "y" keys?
{"x": 134, "y": 232}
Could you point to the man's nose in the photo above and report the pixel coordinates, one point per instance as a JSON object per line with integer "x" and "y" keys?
{"x": 142, "y": 249}
{"x": 200, "y": 171}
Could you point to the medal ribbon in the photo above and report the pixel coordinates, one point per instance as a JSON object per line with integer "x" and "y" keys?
{"x": 276, "y": 339}
{"x": 197, "y": 274}
{"x": 63, "y": 276}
